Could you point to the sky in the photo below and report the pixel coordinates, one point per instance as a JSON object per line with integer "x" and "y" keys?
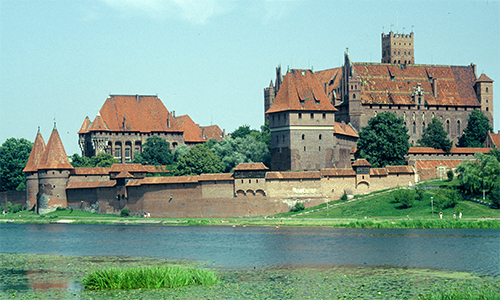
{"x": 59, "y": 60}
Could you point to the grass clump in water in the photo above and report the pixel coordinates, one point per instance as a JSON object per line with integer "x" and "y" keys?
{"x": 148, "y": 278}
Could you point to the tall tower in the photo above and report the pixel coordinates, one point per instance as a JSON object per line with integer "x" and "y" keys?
{"x": 398, "y": 48}
{"x": 484, "y": 92}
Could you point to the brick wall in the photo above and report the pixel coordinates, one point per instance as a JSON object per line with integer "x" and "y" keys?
{"x": 14, "y": 197}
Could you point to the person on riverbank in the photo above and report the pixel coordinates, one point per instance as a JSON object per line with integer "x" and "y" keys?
{"x": 454, "y": 215}
{"x": 460, "y": 215}
{"x": 440, "y": 214}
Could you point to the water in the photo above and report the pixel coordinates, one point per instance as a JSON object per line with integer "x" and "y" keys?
{"x": 468, "y": 250}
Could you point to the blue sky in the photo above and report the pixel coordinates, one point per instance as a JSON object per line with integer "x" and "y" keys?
{"x": 209, "y": 59}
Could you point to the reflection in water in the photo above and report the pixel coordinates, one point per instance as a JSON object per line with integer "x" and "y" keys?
{"x": 469, "y": 250}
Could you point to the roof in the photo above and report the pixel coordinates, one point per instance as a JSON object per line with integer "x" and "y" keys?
{"x": 432, "y": 164}
{"x": 117, "y": 168}
{"x": 85, "y": 125}
{"x": 393, "y": 84}
{"x": 134, "y": 113}
{"x": 163, "y": 180}
{"x": 216, "y": 177}
{"x": 331, "y": 79}
{"x": 155, "y": 169}
{"x": 54, "y": 156}
{"x": 337, "y": 172}
{"x": 124, "y": 174}
{"x": 294, "y": 175}
{"x": 91, "y": 185}
{"x": 454, "y": 150}
{"x": 399, "y": 169}
{"x": 250, "y": 167}
{"x": 192, "y": 131}
{"x": 484, "y": 78}
{"x": 344, "y": 129}
{"x": 361, "y": 162}
{"x": 301, "y": 91}
{"x": 36, "y": 154}
{"x": 494, "y": 138}
{"x": 378, "y": 172}
{"x": 213, "y": 132}
{"x": 90, "y": 171}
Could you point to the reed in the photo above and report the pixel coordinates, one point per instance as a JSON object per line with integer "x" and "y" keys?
{"x": 465, "y": 293}
{"x": 479, "y": 224}
{"x": 147, "y": 278}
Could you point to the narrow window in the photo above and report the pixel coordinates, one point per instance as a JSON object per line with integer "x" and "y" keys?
{"x": 320, "y": 136}
{"x": 300, "y": 115}
{"x": 304, "y": 148}
{"x": 324, "y": 115}
{"x": 458, "y": 127}
{"x": 312, "y": 115}
{"x": 448, "y": 126}
{"x": 303, "y": 136}
{"x": 249, "y": 180}
{"x": 414, "y": 128}
{"x": 319, "y": 148}
{"x": 486, "y": 90}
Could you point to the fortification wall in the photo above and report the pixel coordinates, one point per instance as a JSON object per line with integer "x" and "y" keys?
{"x": 14, "y": 197}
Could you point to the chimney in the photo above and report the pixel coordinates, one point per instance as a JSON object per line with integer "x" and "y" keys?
{"x": 137, "y": 97}
{"x": 173, "y": 113}
{"x": 474, "y": 69}
{"x": 434, "y": 87}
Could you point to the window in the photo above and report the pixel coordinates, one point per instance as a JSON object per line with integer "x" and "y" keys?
{"x": 324, "y": 115}
{"x": 423, "y": 127}
{"x": 353, "y": 96}
{"x": 300, "y": 115}
{"x": 486, "y": 90}
{"x": 117, "y": 152}
{"x": 304, "y": 148}
{"x": 458, "y": 127}
{"x": 303, "y": 136}
{"x": 319, "y": 148}
{"x": 320, "y": 136}
{"x": 414, "y": 128}
{"x": 312, "y": 115}
{"x": 448, "y": 126}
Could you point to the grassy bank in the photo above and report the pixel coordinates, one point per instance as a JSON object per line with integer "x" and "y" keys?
{"x": 27, "y": 276}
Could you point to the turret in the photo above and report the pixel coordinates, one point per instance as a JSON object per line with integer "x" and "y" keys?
{"x": 53, "y": 175}
{"x": 31, "y": 170}
{"x": 484, "y": 93}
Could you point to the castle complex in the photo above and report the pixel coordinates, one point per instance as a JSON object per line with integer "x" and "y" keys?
{"x": 303, "y": 106}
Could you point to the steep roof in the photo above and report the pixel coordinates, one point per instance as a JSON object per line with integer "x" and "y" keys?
{"x": 192, "y": 131}
{"x": 36, "y": 154}
{"x": 85, "y": 125}
{"x": 136, "y": 113}
{"x": 331, "y": 79}
{"x": 54, "y": 157}
{"x": 98, "y": 124}
{"x": 494, "y": 138}
{"x": 213, "y": 132}
{"x": 361, "y": 162}
{"x": 344, "y": 129}
{"x": 393, "y": 84}
{"x": 301, "y": 91}
{"x": 484, "y": 78}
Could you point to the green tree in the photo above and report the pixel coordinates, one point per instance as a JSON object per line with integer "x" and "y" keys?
{"x": 234, "y": 151}
{"x": 483, "y": 173}
{"x": 242, "y": 131}
{"x": 101, "y": 160}
{"x": 405, "y": 196}
{"x": 14, "y": 154}
{"x": 445, "y": 198}
{"x": 476, "y": 131}
{"x": 434, "y": 136}
{"x": 156, "y": 152}
{"x": 199, "y": 160}
{"x": 384, "y": 141}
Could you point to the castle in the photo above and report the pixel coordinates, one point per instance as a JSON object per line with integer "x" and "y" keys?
{"x": 303, "y": 107}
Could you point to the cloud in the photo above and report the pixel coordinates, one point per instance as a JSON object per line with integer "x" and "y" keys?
{"x": 193, "y": 11}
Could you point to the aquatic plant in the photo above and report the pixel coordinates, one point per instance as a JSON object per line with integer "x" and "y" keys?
{"x": 150, "y": 278}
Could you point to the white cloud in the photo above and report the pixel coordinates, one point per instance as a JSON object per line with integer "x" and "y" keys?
{"x": 193, "y": 11}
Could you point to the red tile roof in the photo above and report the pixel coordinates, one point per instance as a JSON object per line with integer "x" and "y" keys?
{"x": 192, "y": 131}
{"x": 301, "y": 91}
{"x": 250, "y": 167}
{"x": 213, "y": 132}
{"x": 163, "y": 180}
{"x": 54, "y": 157}
{"x": 484, "y": 78}
{"x": 124, "y": 174}
{"x": 36, "y": 154}
{"x": 294, "y": 175}
{"x": 454, "y": 150}
{"x": 135, "y": 113}
{"x": 361, "y": 162}
{"x": 85, "y": 126}
{"x": 463, "y": 150}
{"x": 432, "y": 164}
{"x": 349, "y": 130}
{"x": 337, "y": 172}
{"x": 494, "y": 138}
{"x": 330, "y": 78}
{"x": 393, "y": 84}
{"x": 216, "y": 177}
{"x": 90, "y": 171}
{"x": 117, "y": 168}
{"x": 98, "y": 124}
{"x": 91, "y": 185}
{"x": 156, "y": 169}
{"x": 378, "y": 172}
{"x": 399, "y": 169}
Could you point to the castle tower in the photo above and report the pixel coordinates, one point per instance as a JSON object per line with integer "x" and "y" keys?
{"x": 301, "y": 121}
{"x": 31, "y": 170}
{"x": 398, "y": 48}
{"x": 53, "y": 175}
{"x": 484, "y": 92}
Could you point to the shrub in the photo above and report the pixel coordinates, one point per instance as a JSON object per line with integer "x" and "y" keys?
{"x": 446, "y": 198}
{"x": 125, "y": 212}
{"x": 419, "y": 193}
{"x": 298, "y": 207}
{"x": 450, "y": 175}
{"x": 60, "y": 208}
{"x": 405, "y": 197}
{"x": 344, "y": 197}
{"x": 16, "y": 208}
{"x": 495, "y": 194}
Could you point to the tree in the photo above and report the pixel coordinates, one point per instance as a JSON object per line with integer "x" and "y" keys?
{"x": 242, "y": 131}
{"x": 234, "y": 151}
{"x": 384, "y": 141}
{"x": 476, "y": 131}
{"x": 434, "y": 136}
{"x": 101, "y": 160}
{"x": 156, "y": 152}
{"x": 405, "y": 197}
{"x": 14, "y": 154}
{"x": 483, "y": 173}
{"x": 199, "y": 160}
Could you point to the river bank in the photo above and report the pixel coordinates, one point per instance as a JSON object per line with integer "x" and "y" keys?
{"x": 28, "y": 276}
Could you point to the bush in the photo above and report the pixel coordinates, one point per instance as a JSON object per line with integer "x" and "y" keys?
{"x": 495, "y": 194}
{"x": 419, "y": 193}
{"x": 298, "y": 207}
{"x": 16, "y": 208}
{"x": 344, "y": 197}
{"x": 125, "y": 212}
{"x": 446, "y": 198}
{"x": 450, "y": 175}
{"x": 405, "y": 197}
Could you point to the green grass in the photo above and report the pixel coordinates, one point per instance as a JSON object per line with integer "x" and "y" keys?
{"x": 485, "y": 292}
{"x": 149, "y": 278}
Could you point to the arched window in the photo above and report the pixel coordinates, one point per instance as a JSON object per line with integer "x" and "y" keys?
{"x": 414, "y": 128}
{"x": 486, "y": 89}
{"x": 448, "y": 126}
{"x": 353, "y": 96}
{"x": 320, "y": 136}
{"x": 423, "y": 127}
{"x": 303, "y": 136}
{"x": 458, "y": 127}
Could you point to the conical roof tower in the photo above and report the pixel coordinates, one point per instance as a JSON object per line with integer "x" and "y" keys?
{"x": 54, "y": 157}
{"x": 36, "y": 153}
